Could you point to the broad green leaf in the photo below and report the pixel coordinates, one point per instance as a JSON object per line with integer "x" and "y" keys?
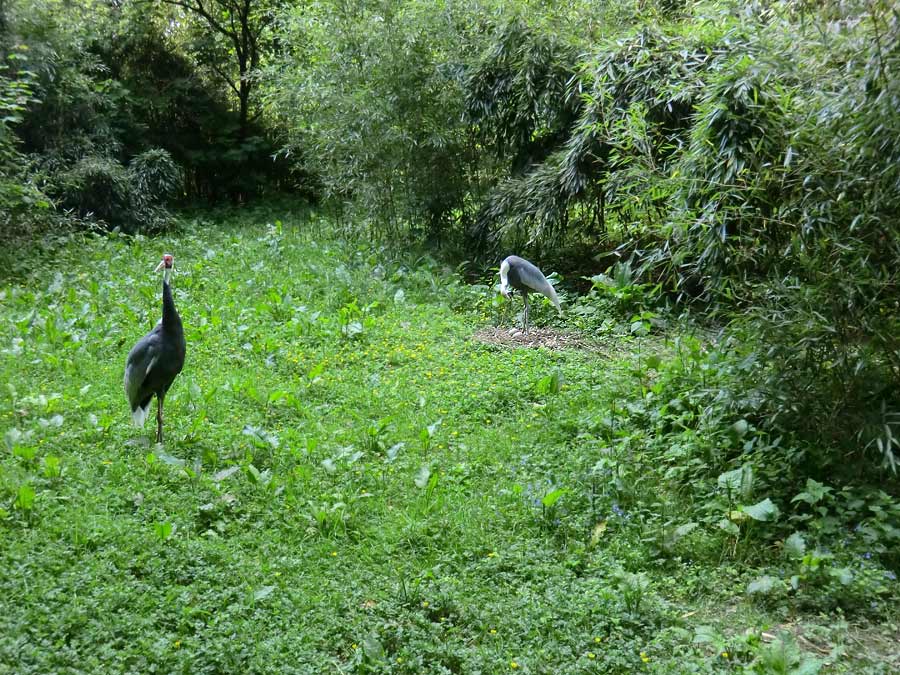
{"x": 52, "y": 465}
{"x": 254, "y": 473}
{"x": 219, "y": 476}
{"x": 598, "y": 532}
{"x": 163, "y": 530}
{"x": 171, "y": 460}
{"x": 263, "y": 592}
{"x": 814, "y": 492}
{"x": 762, "y": 586}
{"x": 740, "y": 428}
{"x": 372, "y": 647}
{"x": 842, "y": 574}
{"x": 25, "y": 497}
{"x": 808, "y": 666}
{"x": 422, "y": 477}
{"x": 706, "y": 635}
{"x": 393, "y": 451}
{"x": 12, "y": 437}
{"x": 795, "y": 545}
{"x": 763, "y": 511}
{"x": 261, "y": 437}
{"x": 682, "y": 530}
{"x": 729, "y": 527}
{"x": 730, "y": 481}
{"x": 552, "y": 497}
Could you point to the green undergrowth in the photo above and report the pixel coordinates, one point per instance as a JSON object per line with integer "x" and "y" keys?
{"x": 351, "y": 483}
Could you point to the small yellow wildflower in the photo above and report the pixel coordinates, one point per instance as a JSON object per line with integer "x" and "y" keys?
{"x": 354, "y": 646}
{"x": 591, "y": 655}
{"x": 598, "y": 639}
{"x": 177, "y": 644}
{"x": 399, "y": 659}
{"x": 724, "y": 655}
{"x": 334, "y": 553}
{"x": 424, "y": 603}
{"x": 493, "y": 631}
{"x": 513, "y": 665}
{"x": 492, "y": 554}
{"x": 644, "y": 657}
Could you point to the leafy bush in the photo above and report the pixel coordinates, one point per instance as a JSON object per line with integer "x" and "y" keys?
{"x": 131, "y": 198}
{"x": 155, "y": 175}
{"x": 97, "y": 186}
{"x": 22, "y": 205}
{"x": 738, "y": 171}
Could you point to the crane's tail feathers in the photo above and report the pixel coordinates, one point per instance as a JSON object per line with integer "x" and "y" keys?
{"x": 550, "y": 292}
{"x": 139, "y": 415}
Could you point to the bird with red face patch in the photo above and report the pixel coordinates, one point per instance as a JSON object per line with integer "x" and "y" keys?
{"x": 157, "y": 358}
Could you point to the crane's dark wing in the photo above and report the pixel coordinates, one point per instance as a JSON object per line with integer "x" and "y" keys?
{"x": 141, "y": 361}
{"x": 528, "y": 275}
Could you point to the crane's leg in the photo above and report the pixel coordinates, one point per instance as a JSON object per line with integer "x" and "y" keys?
{"x": 525, "y": 318}
{"x": 159, "y": 418}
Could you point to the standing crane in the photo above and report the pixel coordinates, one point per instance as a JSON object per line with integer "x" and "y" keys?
{"x": 157, "y": 358}
{"x": 525, "y": 278}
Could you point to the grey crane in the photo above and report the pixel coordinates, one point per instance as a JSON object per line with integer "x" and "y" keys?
{"x": 157, "y": 358}
{"x": 525, "y": 277}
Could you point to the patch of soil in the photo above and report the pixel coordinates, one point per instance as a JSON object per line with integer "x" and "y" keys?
{"x": 536, "y": 337}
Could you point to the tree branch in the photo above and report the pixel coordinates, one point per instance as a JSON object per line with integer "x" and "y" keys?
{"x": 228, "y": 80}
{"x": 199, "y": 9}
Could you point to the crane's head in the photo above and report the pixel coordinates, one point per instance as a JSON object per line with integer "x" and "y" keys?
{"x": 167, "y": 263}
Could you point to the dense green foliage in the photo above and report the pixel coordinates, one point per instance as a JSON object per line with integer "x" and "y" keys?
{"x": 117, "y": 116}
{"x": 742, "y": 156}
{"x": 716, "y": 184}
{"x": 352, "y": 482}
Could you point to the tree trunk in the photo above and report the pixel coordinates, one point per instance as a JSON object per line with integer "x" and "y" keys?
{"x": 244, "y": 109}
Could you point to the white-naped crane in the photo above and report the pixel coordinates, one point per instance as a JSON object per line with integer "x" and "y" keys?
{"x": 157, "y": 358}
{"x": 526, "y": 278}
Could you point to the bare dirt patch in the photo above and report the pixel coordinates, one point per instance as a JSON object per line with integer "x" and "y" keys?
{"x": 536, "y": 337}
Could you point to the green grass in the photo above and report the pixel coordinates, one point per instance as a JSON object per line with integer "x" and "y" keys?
{"x": 349, "y": 482}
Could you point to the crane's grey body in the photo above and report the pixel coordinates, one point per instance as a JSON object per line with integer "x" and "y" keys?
{"x": 154, "y": 362}
{"x": 526, "y": 278}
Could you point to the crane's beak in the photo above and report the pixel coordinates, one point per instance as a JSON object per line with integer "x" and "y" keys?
{"x": 160, "y": 266}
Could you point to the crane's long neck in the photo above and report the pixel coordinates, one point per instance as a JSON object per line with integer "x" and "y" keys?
{"x": 170, "y": 318}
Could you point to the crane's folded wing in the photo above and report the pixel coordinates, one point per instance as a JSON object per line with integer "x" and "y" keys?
{"x": 140, "y": 362}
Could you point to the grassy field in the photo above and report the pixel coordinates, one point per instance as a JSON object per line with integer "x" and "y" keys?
{"x": 351, "y": 483}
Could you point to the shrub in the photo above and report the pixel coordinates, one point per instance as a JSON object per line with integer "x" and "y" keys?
{"x": 100, "y": 187}
{"x": 155, "y": 175}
